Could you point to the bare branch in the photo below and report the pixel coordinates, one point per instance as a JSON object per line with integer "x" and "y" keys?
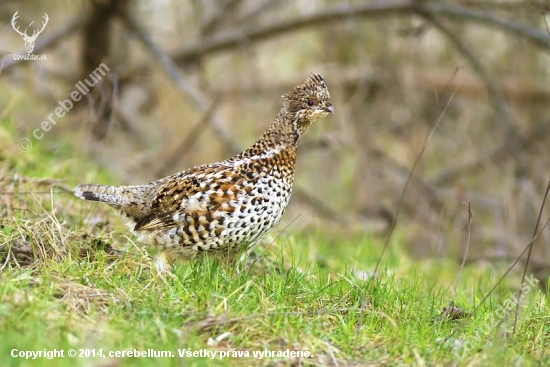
{"x": 529, "y": 254}
{"x": 258, "y": 8}
{"x": 238, "y": 37}
{"x": 501, "y": 106}
{"x": 187, "y": 143}
{"x": 319, "y": 206}
{"x": 196, "y": 97}
{"x": 539, "y": 132}
{"x": 470, "y": 315}
{"x": 465, "y": 251}
{"x": 224, "y": 8}
{"x": 432, "y": 131}
{"x": 534, "y": 35}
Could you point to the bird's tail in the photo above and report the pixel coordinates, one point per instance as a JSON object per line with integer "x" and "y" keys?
{"x": 113, "y": 195}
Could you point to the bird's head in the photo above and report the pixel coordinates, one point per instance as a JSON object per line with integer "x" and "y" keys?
{"x": 307, "y": 103}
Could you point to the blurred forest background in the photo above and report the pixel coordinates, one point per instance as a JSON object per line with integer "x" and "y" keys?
{"x": 193, "y": 82}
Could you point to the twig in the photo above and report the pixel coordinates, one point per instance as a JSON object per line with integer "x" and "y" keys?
{"x": 224, "y": 8}
{"x": 258, "y": 8}
{"x": 320, "y": 207}
{"x": 539, "y": 132}
{"x": 465, "y": 251}
{"x": 3, "y": 59}
{"x": 191, "y": 138}
{"x": 399, "y": 205}
{"x": 430, "y": 192}
{"x": 511, "y": 5}
{"x": 114, "y": 102}
{"x": 237, "y": 37}
{"x": 501, "y": 106}
{"x": 470, "y": 315}
{"x": 179, "y": 80}
{"x": 534, "y": 35}
{"x": 529, "y": 254}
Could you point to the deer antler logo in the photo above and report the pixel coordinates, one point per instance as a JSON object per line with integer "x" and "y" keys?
{"x": 29, "y": 40}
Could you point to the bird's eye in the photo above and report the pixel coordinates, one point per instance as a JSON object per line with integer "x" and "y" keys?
{"x": 310, "y": 102}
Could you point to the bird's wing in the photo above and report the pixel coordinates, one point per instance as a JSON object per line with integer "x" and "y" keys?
{"x": 155, "y": 221}
{"x": 193, "y": 194}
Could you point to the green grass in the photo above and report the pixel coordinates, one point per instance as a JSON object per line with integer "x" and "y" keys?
{"x": 73, "y": 277}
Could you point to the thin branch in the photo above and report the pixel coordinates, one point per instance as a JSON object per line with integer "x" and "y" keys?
{"x": 499, "y": 103}
{"x": 539, "y": 132}
{"x": 546, "y": 23}
{"x": 399, "y": 205}
{"x": 534, "y": 35}
{"x": 465, "y": 251}
{"x": 319, "y": 206}
{"x": 196, "y": 97}
{"x": 529, "y": 254}
{"x": 258, "y": 8}
{"x": 222, "y": 12}
{"x": 470, "y": 315}
{"x": 236, "y": 38}
{"x": 511, "y": 5}
{"x": 187, "y": 143}
{"x": 114, "y": 101}
{"x": 3, "y": 59}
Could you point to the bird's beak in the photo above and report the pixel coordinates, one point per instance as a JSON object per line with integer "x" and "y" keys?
{"x": 328, "y": 109}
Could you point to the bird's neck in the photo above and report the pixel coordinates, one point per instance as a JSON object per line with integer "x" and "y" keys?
{"x": 278, "y": 141}
{"x": 282, "y": 131}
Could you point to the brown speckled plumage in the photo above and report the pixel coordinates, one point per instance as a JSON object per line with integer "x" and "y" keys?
{"x": 215, "y": 208}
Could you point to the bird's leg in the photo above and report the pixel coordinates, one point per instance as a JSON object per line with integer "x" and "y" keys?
{"x": 163, "y": 264}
